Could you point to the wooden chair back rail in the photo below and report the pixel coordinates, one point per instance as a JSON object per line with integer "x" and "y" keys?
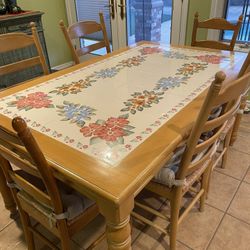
{"x": 41, "y": 196}
{"x": 11, "y": 41}
{"x": 18, "y": 66}
{"x": 212, "y": 44}
{"x": 228, "y": 96}
{"x": 14, "y": 41}
{"x": 88, "y": 49}
{"x": 81, "y": 30}
{"x": 204, "y": 160}
{"x": 215, "y": 123}
{"x": 21, "y": 162}
{"x": 233, "y": 91}
{"x": 245, "y": 67}
{"x": 216, "y": 24}
{"x": 9, "y": 136}
{"x": 201, "y": 147}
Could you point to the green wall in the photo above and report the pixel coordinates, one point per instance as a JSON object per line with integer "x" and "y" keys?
{"x": 203, "y": 7}
{"x": 54, "y": 10}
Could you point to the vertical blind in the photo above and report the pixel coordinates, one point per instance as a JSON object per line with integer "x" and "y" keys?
{"x": 89, "y": 10}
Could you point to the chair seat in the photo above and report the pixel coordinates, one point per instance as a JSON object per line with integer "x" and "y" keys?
{"x": 166, "y": 175}
{"x": 73, "y": 202}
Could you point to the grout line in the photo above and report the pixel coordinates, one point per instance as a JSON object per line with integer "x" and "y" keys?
{"x": 216, "y": 170}
{"x": 245, "y": 222}
{"x": 7, "y": 225}
{"x": 241, "y": 151}
{"x": 146, "y": 226}
{"x": 225, "y": 213}
{"x": 228, "y": 175}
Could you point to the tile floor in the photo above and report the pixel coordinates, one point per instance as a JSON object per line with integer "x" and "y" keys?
{"x": 225, "y": 223}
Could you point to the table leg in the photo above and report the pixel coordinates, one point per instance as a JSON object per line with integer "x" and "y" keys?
{"x": 238, "y": 120}
{"x": 118, "y": 231}
{"x": 7, "y": 196}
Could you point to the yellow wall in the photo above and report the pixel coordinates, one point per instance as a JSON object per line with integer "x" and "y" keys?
{"x": 203, "y": 7}
{"x": 54, "y": 10}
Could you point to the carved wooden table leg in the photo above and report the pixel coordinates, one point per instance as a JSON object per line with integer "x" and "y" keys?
{"x": 118, "y": 235}
{"x": 238, "y": 120}
{"x": 7, "y": 196}
{"x": 118, "y": 230}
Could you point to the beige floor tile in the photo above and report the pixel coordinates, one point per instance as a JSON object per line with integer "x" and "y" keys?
{"x": 12, "y": 238}
{"x": 152, "y": 239}
{"x": 90, "y": 233}
{"x": 245, "y": 119}
{"x": 232, "y": 234}
{"x": 247, "y": 177}
{"x": 237, "y": 164}
{"x": 240, "y": 207}
{"x": 197, "y": 228}
{"x": 4, "y": 215}
{"x": 222, "y": 190}
{"x": 242, "y": 144}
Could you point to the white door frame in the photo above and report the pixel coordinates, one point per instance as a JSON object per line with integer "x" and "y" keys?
{"x": 217, "y": 10}
{"x": 178, "y": 29}
{"x": 179, "y": 25}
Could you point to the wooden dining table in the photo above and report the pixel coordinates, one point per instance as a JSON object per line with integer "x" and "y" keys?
{"x": 106, "y": 126}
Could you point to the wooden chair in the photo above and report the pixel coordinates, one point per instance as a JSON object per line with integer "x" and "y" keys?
{"x": 13, "y": 41}
{"x": 37, "y": 193}
{"x": 81, "y": 29}
{"x": 244, "y": 70}
{"x": 217, "y": 24}
{"x": 198, "y": 155}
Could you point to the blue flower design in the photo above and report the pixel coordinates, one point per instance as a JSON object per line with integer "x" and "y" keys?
{"x": 75, "y": 113}
{"x": 166, "y": 83}
{"x": 175, "y": 55}
{"x": 107, "y": 73}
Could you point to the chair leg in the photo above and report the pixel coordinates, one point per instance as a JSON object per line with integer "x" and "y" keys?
{"x": 64, "y": 234}
{"x": 226, "y": 144}
{"x": 175, "y": 204}
{"x": 209, "y": 181}
{"x": 204, "y": 186}
{"x": 238, "y": 120}
{"x": 28, "y": 234}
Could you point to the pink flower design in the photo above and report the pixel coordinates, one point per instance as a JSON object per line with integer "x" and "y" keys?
{"x": 111, "y": 134}
{"x": 209, "y": 59}
{"x": 120, "y": 122}
{"x": 150, "y": 50}
{"x": 112, "y": 131}
{"x": 92, "y": 129}
{"x": 35, "y": 100}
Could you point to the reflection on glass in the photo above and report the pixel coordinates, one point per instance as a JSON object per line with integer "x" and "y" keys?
{"x": 235, "y": 8}
{"x": 149, "y": 20}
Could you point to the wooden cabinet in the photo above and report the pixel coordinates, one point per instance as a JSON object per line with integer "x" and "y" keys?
{"x": 21, "y": 23}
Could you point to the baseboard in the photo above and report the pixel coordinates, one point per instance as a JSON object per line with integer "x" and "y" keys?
{"x": 63, "y": 66}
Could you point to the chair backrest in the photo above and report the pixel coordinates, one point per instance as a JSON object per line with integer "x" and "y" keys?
{"x": 22, "y": 150}
{"x": 245, "y": 67}
{"x": 14, "y": 41}
{"x": 228, "y": 97}
{"x": 82, "y": 29}
{"x": 217, "y": 24}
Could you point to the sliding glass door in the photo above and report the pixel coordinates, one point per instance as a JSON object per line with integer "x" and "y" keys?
{"x": 131, "y": 21}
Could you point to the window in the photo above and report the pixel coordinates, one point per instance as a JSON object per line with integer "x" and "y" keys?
{"x": 235, "y": 8}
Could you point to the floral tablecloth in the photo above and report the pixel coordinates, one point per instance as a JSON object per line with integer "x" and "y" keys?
{"x": 109, "y": 108}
